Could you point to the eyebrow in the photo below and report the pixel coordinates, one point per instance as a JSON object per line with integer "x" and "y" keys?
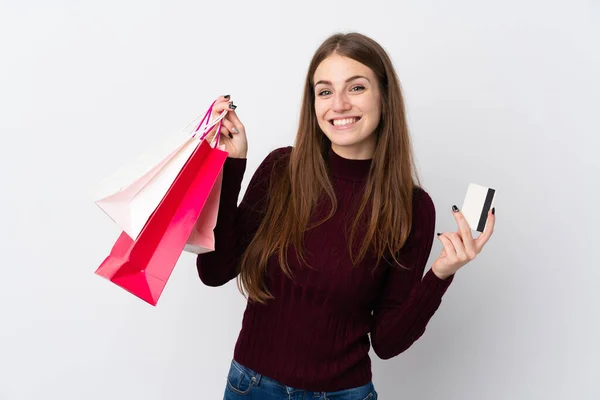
{"x": 347, "y": 80}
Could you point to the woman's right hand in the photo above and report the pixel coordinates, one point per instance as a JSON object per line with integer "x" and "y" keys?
{"x": 233, "y": 132}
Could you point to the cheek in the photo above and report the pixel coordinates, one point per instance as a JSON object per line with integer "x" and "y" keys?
{"x": 319, "y": 110}
{"x": 374, "y": 112}
{"x": 370, "y": 105}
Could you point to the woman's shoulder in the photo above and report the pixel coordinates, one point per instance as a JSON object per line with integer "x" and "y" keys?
{"x": 275, "y": 160}
{"x": 423, "y": 204}
{"x": 275, "y": 157}
{"x": 279, "y": 153}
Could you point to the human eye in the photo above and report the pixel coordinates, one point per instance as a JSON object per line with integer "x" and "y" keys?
{"x": 324, "y": 92}
{"x": 360, "y": 87}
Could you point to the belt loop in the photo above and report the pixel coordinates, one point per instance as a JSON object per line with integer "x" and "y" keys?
{"x": 256, "y": 379}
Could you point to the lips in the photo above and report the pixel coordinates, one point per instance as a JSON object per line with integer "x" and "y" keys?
{"x": 344, "y": 118}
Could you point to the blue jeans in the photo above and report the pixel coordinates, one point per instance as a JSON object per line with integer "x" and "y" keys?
{"x": 244, "y": 383}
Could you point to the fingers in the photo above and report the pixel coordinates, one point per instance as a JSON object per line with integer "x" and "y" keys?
{"x": 237, "y": 126}
{"x": 213, "y": 131}
{"x": 448, "y": 246}
{"x": 465, "y": 234}
{"x": 224, "y": 103}
{"x": 220, "y": 107}
{"x": 234, "y": 123}
{"x": 223, "y": 99}
{"x": 231, "y": 124}
{"x": 224, "y": 130}
{"x": 457, "y": 243}
{"x": 488, "y": 230}
{"x": 221, "y": 104}
{"x": 228, "y": 128}
{"x": 234, "y": 118}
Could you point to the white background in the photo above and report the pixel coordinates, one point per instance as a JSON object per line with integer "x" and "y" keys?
{"x": 503, "y": 94}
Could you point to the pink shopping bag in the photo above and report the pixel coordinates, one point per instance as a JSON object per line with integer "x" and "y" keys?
{"x": 202, "y": 238}
{"x": 142, "y": 266}
{"x": 131, "y": 194}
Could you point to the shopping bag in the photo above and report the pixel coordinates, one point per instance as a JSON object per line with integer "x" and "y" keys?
{"x": 142, "y": 266}
{"x": 131, "y": 194}
{"x": 202, "y": 238}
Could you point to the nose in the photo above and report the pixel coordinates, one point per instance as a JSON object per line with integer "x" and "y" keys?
{"x": 340, "y": 102}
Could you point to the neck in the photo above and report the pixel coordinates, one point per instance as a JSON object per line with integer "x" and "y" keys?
{"x": 355, "y": 169}
{"x": 361, "y": 151}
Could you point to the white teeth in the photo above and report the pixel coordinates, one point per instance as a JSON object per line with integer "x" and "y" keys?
{"x": 347, "y": 121}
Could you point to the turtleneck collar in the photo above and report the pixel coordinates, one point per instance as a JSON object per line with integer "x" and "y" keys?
{"x": 345, "y": 168}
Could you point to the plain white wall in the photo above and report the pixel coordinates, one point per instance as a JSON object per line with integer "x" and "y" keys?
{"x": 503, "y": 94}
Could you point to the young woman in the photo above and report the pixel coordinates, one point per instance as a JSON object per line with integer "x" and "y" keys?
{"x": 331, "y": 238}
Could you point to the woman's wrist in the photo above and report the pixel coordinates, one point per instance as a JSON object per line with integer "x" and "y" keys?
{"x": 240, "y": 156}
{"x": 440, "y": 275}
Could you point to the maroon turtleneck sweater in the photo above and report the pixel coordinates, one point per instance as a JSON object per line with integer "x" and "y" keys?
{"x": 315, "y": 334}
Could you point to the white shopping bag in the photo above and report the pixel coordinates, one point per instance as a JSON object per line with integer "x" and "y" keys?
{"x": 130, "y": 195}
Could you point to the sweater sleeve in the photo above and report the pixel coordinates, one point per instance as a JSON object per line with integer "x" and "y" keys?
{"x": 236, "y": 225}
{"x": 409, "y": 299}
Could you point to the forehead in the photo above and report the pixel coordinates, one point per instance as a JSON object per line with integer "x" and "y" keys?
{"x": 337, "y": 69}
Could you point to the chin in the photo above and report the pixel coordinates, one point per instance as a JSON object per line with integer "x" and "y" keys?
{"x": 345, "y": 139}
{"x": 345, "y": 143}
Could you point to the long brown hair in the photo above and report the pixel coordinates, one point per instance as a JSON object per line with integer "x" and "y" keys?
{"x": 305, "y": 178}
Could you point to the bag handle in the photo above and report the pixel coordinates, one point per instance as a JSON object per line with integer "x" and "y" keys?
{"x": 209, "y": 125}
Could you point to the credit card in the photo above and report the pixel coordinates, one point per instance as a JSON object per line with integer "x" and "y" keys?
{"x": 478, "y": 201}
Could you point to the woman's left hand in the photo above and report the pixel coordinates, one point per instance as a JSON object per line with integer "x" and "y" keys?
{"x": 460, "y": 247}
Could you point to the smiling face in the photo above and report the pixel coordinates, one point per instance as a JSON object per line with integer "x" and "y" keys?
{"x": 347, "y": 105}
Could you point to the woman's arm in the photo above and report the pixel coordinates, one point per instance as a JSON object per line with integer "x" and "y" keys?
{"x": 409, "y": 300}
{"x": 236, "y": 225}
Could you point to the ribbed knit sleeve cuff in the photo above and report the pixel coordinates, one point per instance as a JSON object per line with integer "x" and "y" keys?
{"x": 435, "y": 284}
{"x": 235, "y": 166}
{"x": 233, "y": 173}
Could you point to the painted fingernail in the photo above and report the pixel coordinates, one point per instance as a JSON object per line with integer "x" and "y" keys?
{"x": 439, "y": 234}
{"x": 234, "y": 130}
{"x": 230, "y": 135}
{"x": 232, "y": 106}
{"x": 226, "y": 96}
{"x": 494, "y": 210}
{"x": 455, "y": 209}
